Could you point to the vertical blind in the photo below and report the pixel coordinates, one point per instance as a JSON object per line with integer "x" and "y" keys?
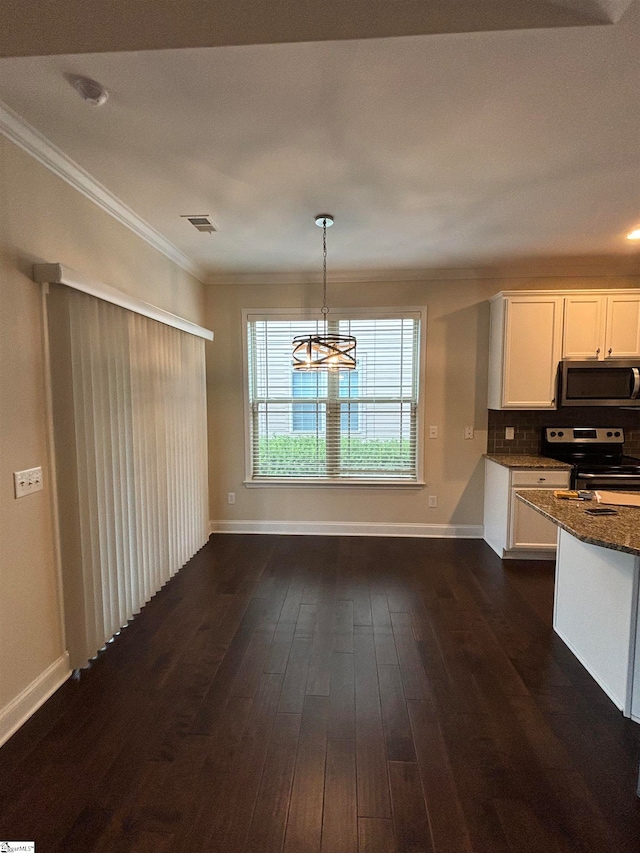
{"x": 131, "y": 458}
{"x": 358, "y": 424}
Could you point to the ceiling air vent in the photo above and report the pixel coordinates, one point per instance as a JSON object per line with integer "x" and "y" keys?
{"x": 201, "y": 223}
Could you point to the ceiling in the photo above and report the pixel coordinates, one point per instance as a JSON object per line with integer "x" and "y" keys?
{"x": 443, "y": 149}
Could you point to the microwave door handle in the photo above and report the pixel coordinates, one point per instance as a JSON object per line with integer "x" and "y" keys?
{"x": 636, "y": 383}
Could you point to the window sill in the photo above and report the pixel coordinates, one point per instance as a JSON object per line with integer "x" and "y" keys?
{"x": 340, "y": 484}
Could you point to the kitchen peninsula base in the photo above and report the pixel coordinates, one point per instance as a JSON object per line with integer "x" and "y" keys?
{"x": 595, "y": 612}
{"x": 596, "y": 592}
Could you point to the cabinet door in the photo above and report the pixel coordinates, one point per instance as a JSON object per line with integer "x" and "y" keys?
{"x": 584, "y": 320}
{"x": 529, "y": 529}
{"x": 623, "y": 326}
{"x": 533, "y": 329}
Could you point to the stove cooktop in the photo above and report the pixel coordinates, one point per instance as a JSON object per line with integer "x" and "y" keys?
{"x": 593, "y": 450}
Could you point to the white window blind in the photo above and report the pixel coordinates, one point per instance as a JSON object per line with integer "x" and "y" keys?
{"x": 345, "y": 426}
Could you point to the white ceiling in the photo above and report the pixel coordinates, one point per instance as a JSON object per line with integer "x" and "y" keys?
{"x": 449, "y": 149}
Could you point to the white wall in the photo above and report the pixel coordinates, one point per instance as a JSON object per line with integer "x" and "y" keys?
{"x": 42, "y": 219}
{"x": 455, "y": 389}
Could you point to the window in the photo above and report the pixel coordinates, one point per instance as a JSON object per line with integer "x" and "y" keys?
{"x": 358, "y": 425}
{"x": 305, "y": 416}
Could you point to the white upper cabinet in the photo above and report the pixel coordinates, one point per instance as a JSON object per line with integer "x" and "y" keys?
{"x": 622, "y": 335}
{"x": 584, "y": 321}
{"x": 599, "y": 327}
{"x": 532, "y": 331}
{"x": 526, "y": 335}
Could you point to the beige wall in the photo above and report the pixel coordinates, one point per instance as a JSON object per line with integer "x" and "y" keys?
{"x": 455, "y": 389}
{"x": 42, "y": 219}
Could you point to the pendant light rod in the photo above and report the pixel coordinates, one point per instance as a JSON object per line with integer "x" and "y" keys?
{"x": 324, "y": 221}
{"x": 331, "y": 352}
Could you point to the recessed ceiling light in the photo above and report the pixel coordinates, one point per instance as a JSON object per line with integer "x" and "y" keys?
{"x": 89, "y": 90}
{"x": 634, "y": 235}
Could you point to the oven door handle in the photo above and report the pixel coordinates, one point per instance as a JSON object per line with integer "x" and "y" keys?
{"x": 636, "y": 383}
{"x": 608, "y": 476}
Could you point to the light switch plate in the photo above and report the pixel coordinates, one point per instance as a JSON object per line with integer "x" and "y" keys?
{"x": 433, "y": 432}
{"x": 28, "y": 481}
{"x": 509, "y": 433}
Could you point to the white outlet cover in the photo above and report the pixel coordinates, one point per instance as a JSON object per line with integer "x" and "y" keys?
{"x": 509, "y": 433}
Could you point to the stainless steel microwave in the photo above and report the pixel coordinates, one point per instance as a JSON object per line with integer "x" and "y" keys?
{"x": 600, "y": 383}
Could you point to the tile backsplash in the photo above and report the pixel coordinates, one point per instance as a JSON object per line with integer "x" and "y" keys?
{"x": 528, "y": 426}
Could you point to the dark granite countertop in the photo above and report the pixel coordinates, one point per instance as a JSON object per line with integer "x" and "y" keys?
{"x": 523, "y": 460}
{"x": 619, "y": 532}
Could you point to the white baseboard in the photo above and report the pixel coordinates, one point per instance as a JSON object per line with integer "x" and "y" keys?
{"x": 18, "y": 711}
{"x": 350, "y": 528}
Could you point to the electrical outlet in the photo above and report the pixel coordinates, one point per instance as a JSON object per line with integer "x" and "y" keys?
{"x": 509, "y": 433}
{"x": 433, "y": 432}
{"x": 27, "y": 482}
{"x": 433, "y": 501}
{"x": 468, "y": 432}
{"x": 231, "y": 497}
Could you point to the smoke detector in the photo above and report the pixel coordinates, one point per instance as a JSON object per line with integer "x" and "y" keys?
{"x": 201, "y": 222}
{"x": 89, "y": 90}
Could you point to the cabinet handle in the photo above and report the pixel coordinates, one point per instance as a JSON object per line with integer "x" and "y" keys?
{"x": 598, "y": 351}
{"x": 541, "y": 479}
{"x": 610, "y": 350}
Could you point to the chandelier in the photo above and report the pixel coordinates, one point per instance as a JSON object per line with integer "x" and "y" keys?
{"x": 328, "y": 351}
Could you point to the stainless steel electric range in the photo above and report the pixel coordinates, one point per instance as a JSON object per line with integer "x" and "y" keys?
{"x": 597, "y": 455}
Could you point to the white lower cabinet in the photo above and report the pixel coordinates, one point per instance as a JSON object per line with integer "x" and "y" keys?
{"x": 511, "y": 528}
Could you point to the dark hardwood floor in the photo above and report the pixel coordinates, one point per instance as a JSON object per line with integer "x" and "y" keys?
{"x": 331, "y": 695}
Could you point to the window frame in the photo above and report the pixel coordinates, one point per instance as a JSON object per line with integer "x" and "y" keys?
{"x": 299, "y": 314}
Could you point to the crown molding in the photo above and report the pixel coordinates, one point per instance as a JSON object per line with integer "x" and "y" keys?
{"x": 25, "y": 136}
{"x": 577, "y": 267}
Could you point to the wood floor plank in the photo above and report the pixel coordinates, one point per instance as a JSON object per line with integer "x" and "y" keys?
{"x": 375, "y": 835}
{"x": 306, "y": 622}
{"x": 266, "y": 834}
{"x": 397, "y": 728}
{"x": 342, "y": 708}
{"x": 304, "y": 823}
{"x": 524, "y": 832}
{"x": 280, "y": 648}
{"x": 339, "y": 818}
{"x": 295, "y": 677}
{"x": 373, "y": 787}
{"x": 414, "y": 679}
{"x": 386, "y": 653}
{"x": 343, "y": 626}
{"x": 229, "y": 826}
{"x": 411, "y": 825}
{"x": 448, "y": 828}
{"x": 320, "y": 661}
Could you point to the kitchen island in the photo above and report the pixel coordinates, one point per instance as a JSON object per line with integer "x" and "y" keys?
{"x": 595, "y": 607}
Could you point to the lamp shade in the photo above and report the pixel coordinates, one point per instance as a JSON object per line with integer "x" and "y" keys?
{"x": 324, "y": 352}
